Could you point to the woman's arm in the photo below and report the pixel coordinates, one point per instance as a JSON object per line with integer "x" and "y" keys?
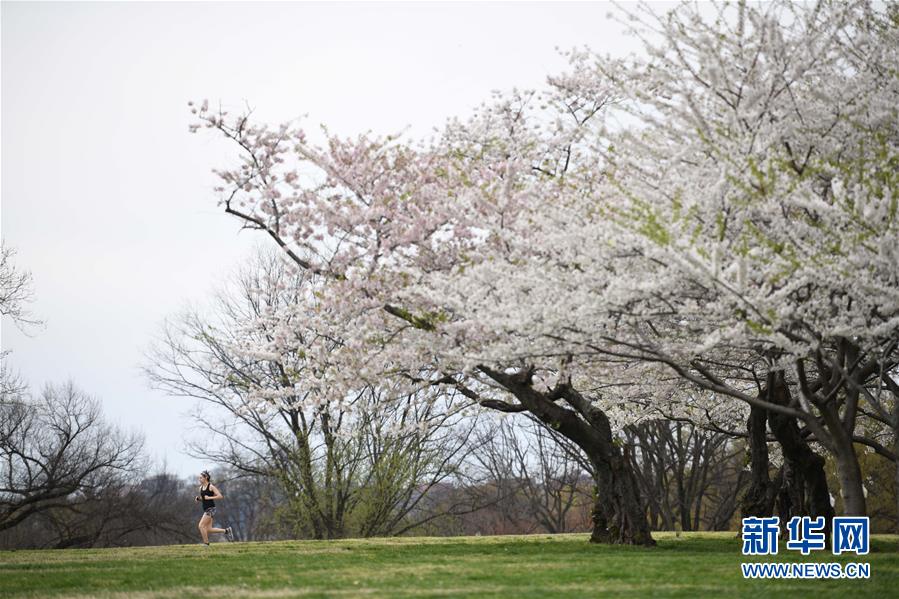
{"x": 215, "y": 490}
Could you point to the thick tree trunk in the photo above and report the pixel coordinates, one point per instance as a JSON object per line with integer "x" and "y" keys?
{"x": 623, "y": 516}
{"x": 850, "y": 476}
{"x": 791, "y": 495}
{"x": 849, "y": 472}
{"x": 805, "y": 480}
{"x": 896, "y": 453}
{"x": 758, "y": 501}
{"x": 618, "y": 512}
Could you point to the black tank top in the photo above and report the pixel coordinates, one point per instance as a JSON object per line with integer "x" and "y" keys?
{"x": 207, "y": 503}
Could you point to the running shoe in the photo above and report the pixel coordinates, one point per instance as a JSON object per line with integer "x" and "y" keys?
{"x": 229, "y": 533}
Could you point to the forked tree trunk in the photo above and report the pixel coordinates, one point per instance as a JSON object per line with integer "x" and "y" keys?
{"x": 618, "y": 512}
{"x": 804, "y": 477}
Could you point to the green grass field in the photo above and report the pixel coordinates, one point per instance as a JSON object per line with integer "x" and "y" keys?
{"x": 698, "y": 564}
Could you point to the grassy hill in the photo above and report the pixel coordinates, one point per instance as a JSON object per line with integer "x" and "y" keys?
{"x": 698, "y": 564}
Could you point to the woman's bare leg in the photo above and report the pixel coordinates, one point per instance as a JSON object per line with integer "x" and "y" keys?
{"x": 205, "y": 523}
{"x": 210, "y": 529}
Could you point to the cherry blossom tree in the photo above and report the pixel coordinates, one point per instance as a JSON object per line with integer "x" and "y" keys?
{"x": 412, "y": 241}
{"x": 723, "y": 208}
{"x": 762, "y": 181}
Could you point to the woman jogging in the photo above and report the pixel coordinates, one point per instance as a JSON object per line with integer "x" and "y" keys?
{"x": 208, "y": 494}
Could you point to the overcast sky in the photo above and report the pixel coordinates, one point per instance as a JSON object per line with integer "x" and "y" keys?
{"x": 108, "y": 199}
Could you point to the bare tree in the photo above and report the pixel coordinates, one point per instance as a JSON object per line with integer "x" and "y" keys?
{"x": 691, "y": 477}
{"x": 56, "y": 451}
{"x": 540, "y": 482}
{"x": 129, "y": 510}
{"x": 15, "y": 290}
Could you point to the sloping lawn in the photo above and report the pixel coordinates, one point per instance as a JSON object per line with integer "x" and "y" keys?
{"x": 697, "y": 564}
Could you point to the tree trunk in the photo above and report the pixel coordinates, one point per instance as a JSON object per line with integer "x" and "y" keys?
{"x": 618, "y": 512}
{"x": 804, "y": 476}
{"x": 758, "y": 501}
{"x": 896, "y": 453}
{"x": 791, "y": 495}
{"x": 850, "y": 476}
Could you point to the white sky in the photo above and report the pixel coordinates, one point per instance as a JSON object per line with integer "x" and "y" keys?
{"x": 108, "y": 199}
